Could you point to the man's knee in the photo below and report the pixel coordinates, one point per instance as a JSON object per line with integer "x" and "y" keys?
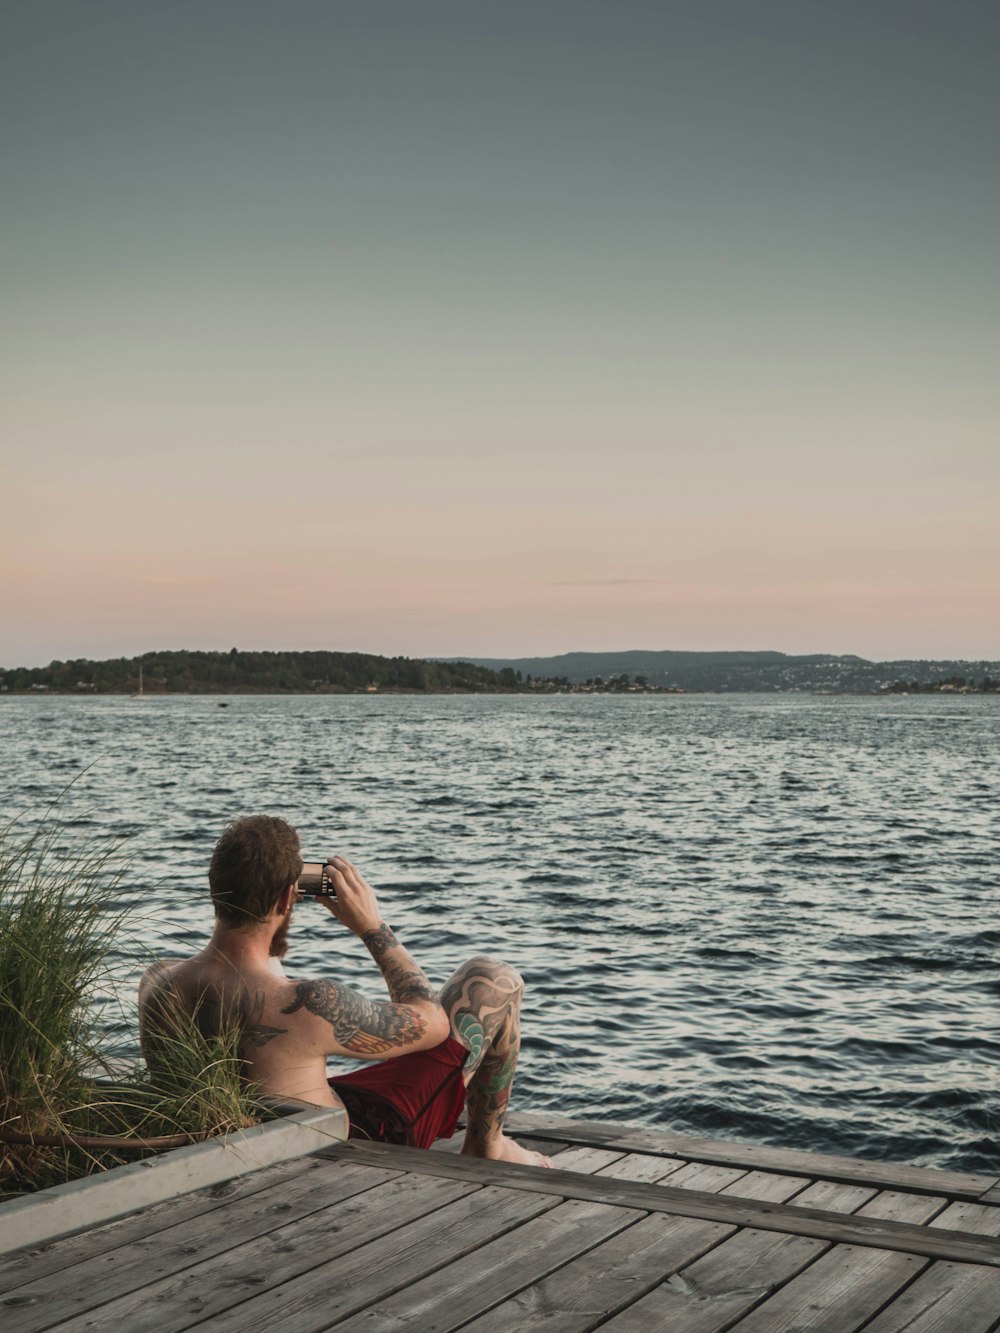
{"x": 495, "y": 970}
{"x": 483, "y": 980}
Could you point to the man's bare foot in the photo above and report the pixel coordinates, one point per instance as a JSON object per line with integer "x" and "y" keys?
{"x": 504, "y": 1149}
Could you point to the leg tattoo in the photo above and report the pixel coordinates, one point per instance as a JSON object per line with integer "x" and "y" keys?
{"x": 478, "y": 1000}
{"x": 483, "y": 1003}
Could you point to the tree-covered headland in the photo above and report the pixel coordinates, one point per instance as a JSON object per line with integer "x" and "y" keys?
{"x": 237, "y": 672}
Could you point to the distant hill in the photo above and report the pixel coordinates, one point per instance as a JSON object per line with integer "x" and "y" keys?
{"x": 752, "y": 671}
{"x": 235, "y": 672}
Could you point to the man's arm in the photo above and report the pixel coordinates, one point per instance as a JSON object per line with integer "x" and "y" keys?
{"x": 154, "y": 989}
{"x": 412, "y": 1020}
{"x": 359, "y": 1026}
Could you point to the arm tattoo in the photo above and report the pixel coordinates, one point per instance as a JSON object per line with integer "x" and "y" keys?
{"x": 405, "y": 986}
{"x": 380, "y": 941}
{"x": 360, "y": 1025}
{"x": 405, "y": 983}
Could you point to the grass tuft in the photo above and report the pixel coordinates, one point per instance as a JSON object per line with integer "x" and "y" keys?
{"x": 60, "y": 918}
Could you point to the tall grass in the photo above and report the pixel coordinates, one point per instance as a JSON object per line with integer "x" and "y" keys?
{"x": 193, "y": 1082}
{"x": 60, "y": 920}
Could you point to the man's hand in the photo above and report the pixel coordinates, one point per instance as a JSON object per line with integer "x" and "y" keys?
{"x": 355, "y": 905}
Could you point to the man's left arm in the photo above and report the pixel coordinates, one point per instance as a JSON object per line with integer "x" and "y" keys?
{"x": 356, "y": 907}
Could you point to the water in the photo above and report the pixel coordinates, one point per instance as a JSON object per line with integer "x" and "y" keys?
{"x": 771, "y": 918}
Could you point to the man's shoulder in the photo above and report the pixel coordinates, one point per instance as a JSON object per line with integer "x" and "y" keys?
{"x": 160, "y": 969}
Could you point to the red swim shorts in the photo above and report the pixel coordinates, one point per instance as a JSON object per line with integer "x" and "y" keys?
{"x": 413, "y": 1099}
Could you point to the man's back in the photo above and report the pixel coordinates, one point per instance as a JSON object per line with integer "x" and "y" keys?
{"x": 279, "y": 1043}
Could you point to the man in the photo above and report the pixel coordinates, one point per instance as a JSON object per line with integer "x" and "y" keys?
{"x": 436, "y": 1054}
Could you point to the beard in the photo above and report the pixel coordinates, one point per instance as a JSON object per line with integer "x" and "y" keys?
{"x": 279, "y": 940}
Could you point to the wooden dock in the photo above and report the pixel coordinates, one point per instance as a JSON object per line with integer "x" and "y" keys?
{"x": 635, "y": 1230}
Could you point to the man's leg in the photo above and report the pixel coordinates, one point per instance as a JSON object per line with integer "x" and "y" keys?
{"x": 483, "y": 1004}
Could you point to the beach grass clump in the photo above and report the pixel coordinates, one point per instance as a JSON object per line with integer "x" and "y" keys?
{"x": 193, "y": 1080}
{"x": 58, "y": 922}
{"x": 63, "y": 1113}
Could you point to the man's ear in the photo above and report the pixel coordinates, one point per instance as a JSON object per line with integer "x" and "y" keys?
{"x": 288, "y": 896}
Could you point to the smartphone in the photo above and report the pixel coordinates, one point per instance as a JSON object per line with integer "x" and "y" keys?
{"x": 315, "y": 880}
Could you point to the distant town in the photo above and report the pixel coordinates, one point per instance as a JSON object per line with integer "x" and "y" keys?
{"x": 636, "y": 672}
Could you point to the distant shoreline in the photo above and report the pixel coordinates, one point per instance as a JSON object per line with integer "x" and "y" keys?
{"x": 961, "y": 692}
{"x": 237, "y": 672}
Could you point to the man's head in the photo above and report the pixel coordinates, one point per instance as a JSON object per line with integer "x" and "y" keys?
{"x": 254, "y": 861}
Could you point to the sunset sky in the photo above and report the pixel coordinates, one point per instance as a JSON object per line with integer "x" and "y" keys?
{"x": 500, "y": 329}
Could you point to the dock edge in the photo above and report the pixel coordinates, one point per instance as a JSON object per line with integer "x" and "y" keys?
{"x": 48, "y": 1214}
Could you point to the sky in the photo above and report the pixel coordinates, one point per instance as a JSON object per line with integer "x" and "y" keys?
{"x": 500, "y": 329}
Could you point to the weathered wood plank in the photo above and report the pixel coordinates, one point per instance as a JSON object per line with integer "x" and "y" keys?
{"x": 905, "y": 1207}
{"x": 979, "y": 1217}
{"x": 833, "y": 1196}
{"x": 639, "y": 1166}
{"x": 786, "y": 1161}
{"x": 116, "y": 1273}
{"x": 449, "y": 1298}
{"x": 765, "y": 1185}
{"x": 992, "y": 1195}
{"x": 375, "y": 1226}
{"x": 605, "y": 1279}
{"x": 705, "y": 1176}
{"x": 711, "y": 1293}
{"x": 587, "y": 1161}
{"x": 945, "y": 1298}
{"x": 904, "y": 1237}
{"x": 836, "y": 1294}
{"x": 495, "y": 1227}
{"x": 56, "y": 1255}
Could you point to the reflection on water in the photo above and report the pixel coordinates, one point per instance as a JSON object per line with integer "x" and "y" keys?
{"x": 766, "y": 917}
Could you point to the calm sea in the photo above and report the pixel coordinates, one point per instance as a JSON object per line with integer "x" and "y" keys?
{"x": 772, "y": 918}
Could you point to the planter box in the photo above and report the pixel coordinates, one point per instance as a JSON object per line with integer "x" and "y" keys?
{"x": 100, "y": 1198}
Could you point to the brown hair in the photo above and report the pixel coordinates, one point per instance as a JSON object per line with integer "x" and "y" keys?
{"x": 255, "y": 859}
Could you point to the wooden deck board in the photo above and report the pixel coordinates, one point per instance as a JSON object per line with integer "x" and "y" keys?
{"x": 588, "y": 1161}
{"x": 705, "y": 1176}
{"x": 836, "y": 1294}
{"x": 715, "y": 1290}
{"x": 606, "y": 1279}
{"x": 833, "y": 1196}
{"x": 54, "y": 1256}
{"x": 640, "y": 1166}
{"x": 980, "y": 1217}
{"x": 946, "y": 1298}
{"x": 766, "y": 1186}
{"x": 897, "y": 1207}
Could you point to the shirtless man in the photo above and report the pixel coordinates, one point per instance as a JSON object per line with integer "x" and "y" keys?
{"x": 440, "y": 1053}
